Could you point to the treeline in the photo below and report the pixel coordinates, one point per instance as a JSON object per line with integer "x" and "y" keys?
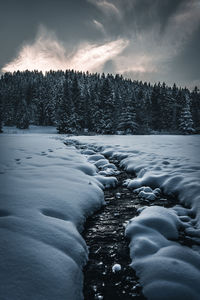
{"x": 79, "y": 102}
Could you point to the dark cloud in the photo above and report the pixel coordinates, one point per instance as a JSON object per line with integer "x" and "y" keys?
{"x": 187, "y": 63}
{"x": 144, "y": 14}
{"x": 163, "y": 35}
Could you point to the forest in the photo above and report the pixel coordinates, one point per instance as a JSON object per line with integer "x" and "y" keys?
{"x": 84, "y": 103}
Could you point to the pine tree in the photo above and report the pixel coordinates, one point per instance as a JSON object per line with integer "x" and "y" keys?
{"x": 107, "y": 107}
{"x": 76, "y": 102}
{"x": 156, "y": 107}
{"x": 22, "y": 117}
{"x": 195, "y": 108}
{"x": 66, "y": 117}
{"x": 143, "y": 109}
{"x": 1, "y": 116}
{"x": 103, "y": 104}
{"x": 186, "y": 122}
{"x": 127, "y": 120}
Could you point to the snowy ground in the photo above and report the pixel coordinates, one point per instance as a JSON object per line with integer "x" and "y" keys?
{"x": 47, "y": 190}
{"x": 31, "y": 129}
{"x": 167, "y": 270}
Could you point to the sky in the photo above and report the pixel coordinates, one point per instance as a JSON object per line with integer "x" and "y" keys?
{"x": 148, "y": 40}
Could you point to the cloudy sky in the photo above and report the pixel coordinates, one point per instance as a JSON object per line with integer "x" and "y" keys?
{"x": 149, "y": 40}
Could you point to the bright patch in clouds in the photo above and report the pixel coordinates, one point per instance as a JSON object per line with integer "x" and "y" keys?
{"x": 48, "y": 53}
{"x": 106, "y": 7}
{"x": 99, "y": 26}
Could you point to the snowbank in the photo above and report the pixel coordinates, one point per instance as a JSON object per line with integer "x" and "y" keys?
{"x": 167, "y": 270}
{"x": 46, "y": 190}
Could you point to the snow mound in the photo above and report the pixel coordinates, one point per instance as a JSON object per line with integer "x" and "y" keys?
{"x": 107, "y": 181}
{"x": 145, "y": 192}
{"x": 104, "y": 169}
{"x": 88, "y": 152}
{"x": 166, "y": 269}
{"x": 101, "y": 162}
{"x": 95, "y": 157}
{"x": 149, "y": 196}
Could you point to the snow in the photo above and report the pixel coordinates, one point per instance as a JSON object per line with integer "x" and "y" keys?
{"x": 166, "y": 269}
{"x": 47, "y": 190}
{"x": 116, "y": 268}
{"x": 145, "y": 192}
{"x": 107, "y": 181}
{"x": 31, "y": 129}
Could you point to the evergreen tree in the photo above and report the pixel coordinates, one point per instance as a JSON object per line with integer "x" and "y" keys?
{"x": 186, "y": 122}
{"x": 73, "y": 101}
{"x": 107, "y": 107}
{"x": 76, "y": 101}
{"x": 22, "y": 117}
{"x": 66, "y": 116}
{"x": 1, "y": 116}
{"x": 143, "y": 109}
{"x": 195, "y": 108}
{"x": 127, "y": 120}
{"x": 156, "y": 107}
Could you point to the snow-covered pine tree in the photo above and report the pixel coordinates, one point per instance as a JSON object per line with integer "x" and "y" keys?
{"x": 195, "y": 108}
{"x": 168, "y": 103}
{"x": 127, "y": 120}
{"x": 1, "y": 116}
{"x": 156, "y": 107}
{"x": 22, "y": 116}
{"x": 142, "y": 107}
{"x": 186, "y": 122}
{"x": 95, "y": 110}
{"x": 117, "y": 109}
{"x": 66, "y": 122}
{"x": 76, "y": 102}
{"x": 107, "y": 104}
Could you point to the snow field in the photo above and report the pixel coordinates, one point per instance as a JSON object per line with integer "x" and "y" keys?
{"x": 167, "y": 270}
{"x": 47, "y": 190}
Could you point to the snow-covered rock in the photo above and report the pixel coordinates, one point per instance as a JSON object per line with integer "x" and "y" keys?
{"x": 88, "y": 152}
{"x": 95, "y": 157}
{"x": 107, "y": 181}
{"x": 147, "y": 195}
